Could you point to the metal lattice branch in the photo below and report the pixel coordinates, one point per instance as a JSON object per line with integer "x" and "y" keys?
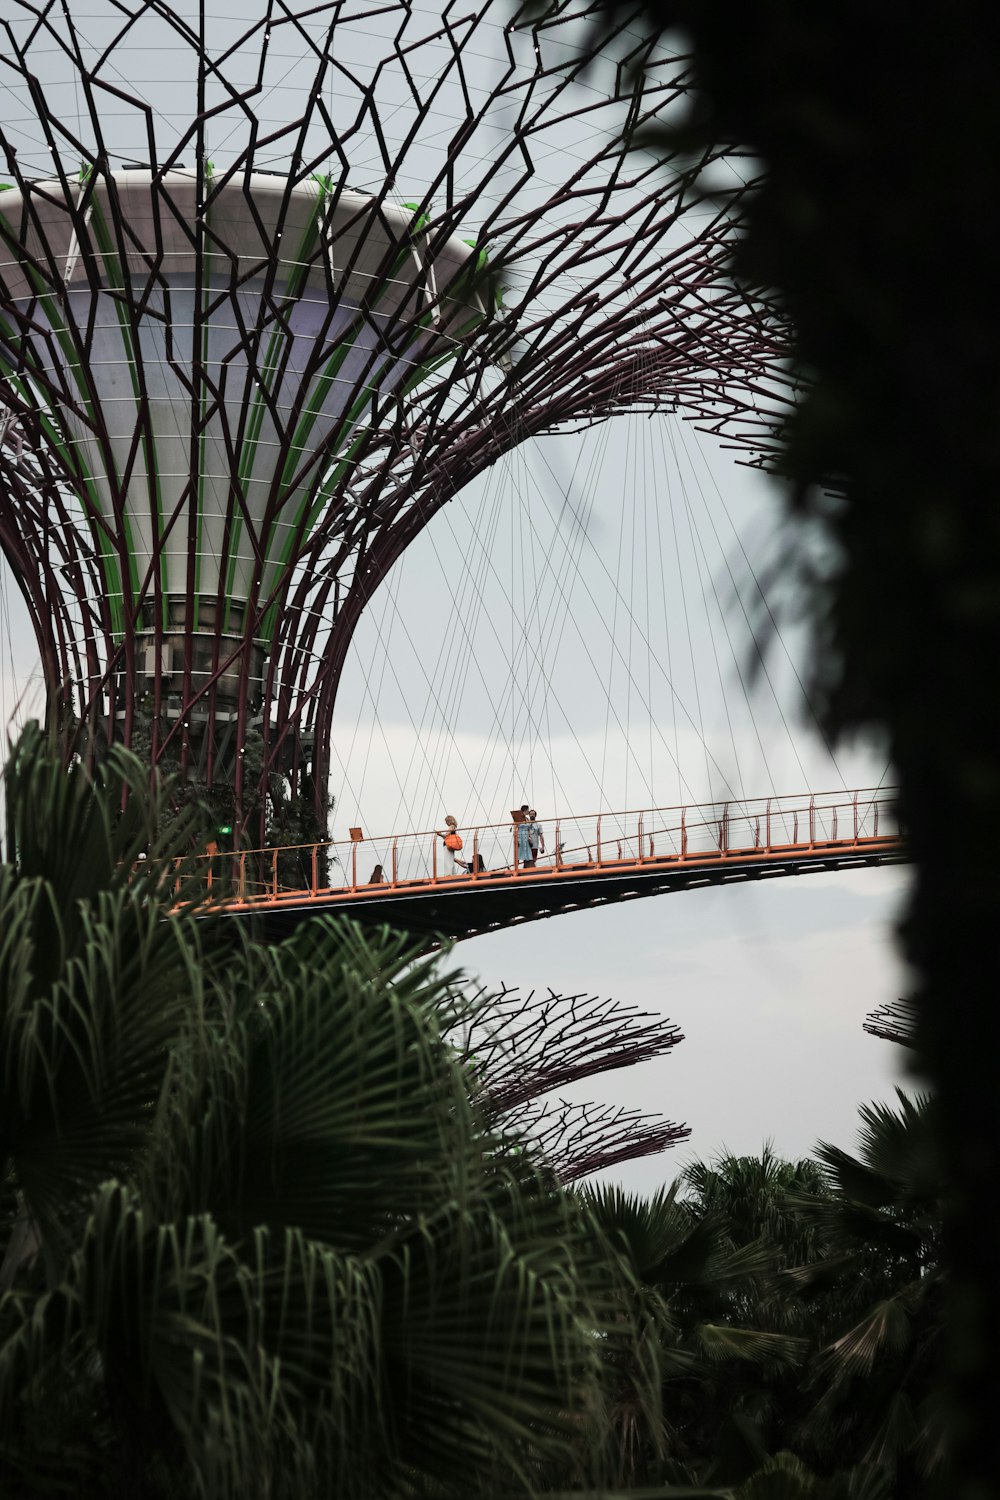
{"x": 535, "y": 1044}
{"x": 578, "y": 1140}
{"x": 255, "y": 331}
{"x": 893, "y": 1022}
{"x": 520, "y": 1050}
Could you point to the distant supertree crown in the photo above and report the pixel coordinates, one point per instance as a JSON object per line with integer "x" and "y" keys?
{"x": 272, "y": 292}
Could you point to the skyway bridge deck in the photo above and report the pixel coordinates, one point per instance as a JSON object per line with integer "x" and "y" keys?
{"x": 411, "y": 881}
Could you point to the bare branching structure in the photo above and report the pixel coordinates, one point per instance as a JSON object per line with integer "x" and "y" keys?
{"x": 581, "y": 1138}
{"x": 520, "y": 1050}
{"x": 273, "y": 290}
{"x": 893, "y": 1022}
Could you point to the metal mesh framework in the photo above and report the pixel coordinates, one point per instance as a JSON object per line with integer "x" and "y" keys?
{"x": 521, "y": 1049}
{"x": 272, "y": 293}
{"x": 893, "y": 1022}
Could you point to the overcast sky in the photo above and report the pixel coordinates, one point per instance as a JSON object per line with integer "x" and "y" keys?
{"x": 577, "y": 631}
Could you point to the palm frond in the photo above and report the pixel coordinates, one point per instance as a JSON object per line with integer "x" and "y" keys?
{"x": 330, "y": 1097}
{"x": 886, "y": 1327}
{"x": 82, "y": 1062}
{"x": 784, "y": 1477}
{"x": 898, "y": 1154}
{"x": 718, "y": 1342}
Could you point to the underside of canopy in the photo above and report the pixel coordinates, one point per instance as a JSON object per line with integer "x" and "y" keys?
{"x": 204, "y": 357}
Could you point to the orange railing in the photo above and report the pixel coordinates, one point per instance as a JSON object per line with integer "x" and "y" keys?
{"x": 709, "y": 831}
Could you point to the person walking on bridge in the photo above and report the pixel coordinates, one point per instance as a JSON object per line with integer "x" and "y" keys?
{"x": 452, "y": 841}
{"x": 536, "y": 839}
{"x": 522, "y": 843}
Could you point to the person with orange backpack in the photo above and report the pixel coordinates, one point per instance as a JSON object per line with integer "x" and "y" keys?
{"x": 452, "y": 840}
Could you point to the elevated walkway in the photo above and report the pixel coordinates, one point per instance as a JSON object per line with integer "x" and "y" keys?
{"x": 410, "y": 881}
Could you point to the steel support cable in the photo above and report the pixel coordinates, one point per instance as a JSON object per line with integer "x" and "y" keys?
{"x": 428, "y": 755}
{"x": 520, "y": 490}
{"x": 729, "y": 639}
{"x": 508, "y": 765}
{"x": 704, "y": 570}
{"x": 542, "y": 571}
{"x": 422, "y": 662}
{"x": 657, "y": 512}
{"x": 498, "y": 477}
{"x": 434, "y": 691}
{"x": 471, "y": 621}
{"x": 580, "y": 519}
{"x": 577, "y": 60}
{"x": 760, "y": 654}
{"x": 438, "y": 78}
{"x": 647, "y": 473}
{"x": 584, "y": 534}
{"x": 555, "y": 615}
{"x": 424, "y": 764}
{"x": 626, "y": 554}
{"x": 410, "y": 798}
{"x": 516, "y": 696}
{"x": 534, "y": 665}
{"x": 387, "y": 661}
{"x": 522, "y": 655}
{"x": 614, "y": 635}
{"x": 538, "y": 679}
{"x": 633, "y": 626}
{"x": 463, "y": 625}
{"x": 615, "y": 647}
{"x": 295, "y": 64}
{"x": 566, "y": 573}
{"x": 515, "y": 686}
{"x": 510, "y": 658}
{"x": 447, "y": 677}
{"x": 80, "y": 70}
{"x": 628, "y": 520}
{"x": 708, "y": 755}
{"x": 646, "y": 636}
{"x": 736, "y": 655}
{"x": 441, "y": 679}
{"x": 545, "y": 656}
{"x": 384, "y": 634}
{"x": 671, "y": 478}
{"x": 493, "y": 570}
{"x": 378, "y": 727}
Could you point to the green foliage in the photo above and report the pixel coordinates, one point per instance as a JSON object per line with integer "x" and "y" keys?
{"x": 256, "y": 1239}
{"x": 682, "y": 1277}
{"x": 268, "y": 814}
{"x": 875, "y": 1380}
{"x": 791, "y": 1314}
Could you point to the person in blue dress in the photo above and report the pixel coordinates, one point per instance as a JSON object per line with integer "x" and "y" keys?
{"x": 523, "y": 842}
{"x": 536, "y": 839}
{"x": 529, "y": 838}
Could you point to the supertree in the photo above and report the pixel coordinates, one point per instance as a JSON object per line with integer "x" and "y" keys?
{"x": 274, "y": 289}
{"x": 521, "y": 1049}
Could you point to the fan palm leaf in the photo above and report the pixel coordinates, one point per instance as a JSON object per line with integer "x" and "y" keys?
{"x": 285, "y": 1253}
